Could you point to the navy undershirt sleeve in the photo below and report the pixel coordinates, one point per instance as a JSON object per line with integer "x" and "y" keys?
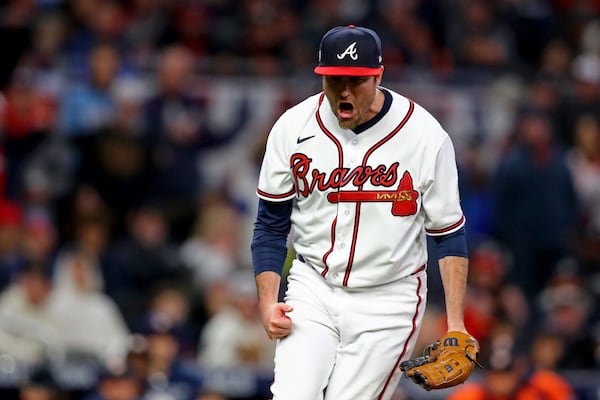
{"x": 269, "y": 240}
{"x": 453, "y": 244}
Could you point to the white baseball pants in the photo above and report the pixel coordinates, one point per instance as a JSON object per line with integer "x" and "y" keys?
{"x": 346, "y": 344}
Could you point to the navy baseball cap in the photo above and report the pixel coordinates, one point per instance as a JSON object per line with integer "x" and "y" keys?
{"x": 350, "y": 51}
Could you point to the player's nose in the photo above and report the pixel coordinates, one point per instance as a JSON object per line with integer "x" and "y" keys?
{"x": 345, "y": 88}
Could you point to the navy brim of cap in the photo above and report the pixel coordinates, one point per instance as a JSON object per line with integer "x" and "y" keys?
{"x": 347, "y": 71}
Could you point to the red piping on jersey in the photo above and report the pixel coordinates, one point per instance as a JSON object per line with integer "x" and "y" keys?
{"x": 364, "y": 163}
{"x": 276, "y": 196}
{"x": 444, "y": 230}
{"x": 412, "y": 332}
{"x": 330, "y": 249}
{"x": 329, "y": 134}
{"x": 340, "y": 165}
{"x": 421, "y": 268}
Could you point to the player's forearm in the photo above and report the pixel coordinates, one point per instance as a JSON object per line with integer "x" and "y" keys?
{"x": 274, "y": 314}
{"x": 267, "y": 286}
{"x": 454, "y": 272}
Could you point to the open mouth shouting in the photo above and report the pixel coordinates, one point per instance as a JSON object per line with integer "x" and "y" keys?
{"x": 345, "y": 110}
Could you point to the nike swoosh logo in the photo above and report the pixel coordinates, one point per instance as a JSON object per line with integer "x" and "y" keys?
{"x": 304, "y": 139}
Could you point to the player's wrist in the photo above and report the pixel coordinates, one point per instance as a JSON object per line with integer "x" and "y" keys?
{"x": 456, "y": 327}
{"x": 267, "y": 304}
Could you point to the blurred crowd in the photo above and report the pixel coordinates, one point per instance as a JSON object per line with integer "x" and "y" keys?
{"x": 131, "y": 133}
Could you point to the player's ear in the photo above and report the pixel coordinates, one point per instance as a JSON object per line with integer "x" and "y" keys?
{"x": 379, "y": 77}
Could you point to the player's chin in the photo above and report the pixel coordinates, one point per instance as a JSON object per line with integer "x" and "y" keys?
{"x": 347, "y": 123}
{"x": 346, "y": 115}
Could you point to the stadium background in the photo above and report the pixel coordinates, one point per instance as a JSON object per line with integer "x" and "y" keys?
{"x": 130, "y": 137}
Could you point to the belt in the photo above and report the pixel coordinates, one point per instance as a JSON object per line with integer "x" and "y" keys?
{"x": 300, "y": 258}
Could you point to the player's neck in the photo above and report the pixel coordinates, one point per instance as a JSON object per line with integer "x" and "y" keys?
{"x": 377, "y": 104}
{"x": 384, "y": 100}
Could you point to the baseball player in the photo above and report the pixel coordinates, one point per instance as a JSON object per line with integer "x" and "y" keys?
{"x": 362, "y": 174}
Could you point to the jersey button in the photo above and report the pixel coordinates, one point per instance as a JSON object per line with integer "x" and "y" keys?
{"x": 347, "y": 212}
{"x": 342, "y": 245}
{"x": 354, "y": 141}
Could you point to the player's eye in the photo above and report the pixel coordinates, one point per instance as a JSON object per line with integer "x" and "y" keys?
{"x": 358, "y": 80}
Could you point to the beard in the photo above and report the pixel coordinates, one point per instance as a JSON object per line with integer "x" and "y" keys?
{"x": 351, "y": 123}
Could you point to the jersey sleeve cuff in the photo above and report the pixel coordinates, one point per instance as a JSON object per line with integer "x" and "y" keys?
{"x": 453, "y": 244}
{"x": 276, "y": 197}
{"x": 447, "y": 230}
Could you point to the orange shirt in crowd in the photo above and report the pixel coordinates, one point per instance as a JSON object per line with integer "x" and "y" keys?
{"x": 546, "y": 385}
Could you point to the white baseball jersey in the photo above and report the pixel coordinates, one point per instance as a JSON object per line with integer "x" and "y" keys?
{"x": 363, "y": 202}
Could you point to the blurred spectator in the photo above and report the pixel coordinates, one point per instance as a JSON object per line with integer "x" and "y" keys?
{"x": 168, "y": 376}
{"x": 11, "y": 236}
{"x": 121, "y": 165}
{"x": 268, "y": 25}
{"x": 583, "y": 96}
{"x": 45, "y": 62}
{"x": 91, "y": 236}
{"x": 177, "y": 129}
{"x": 48, "y": 176}
{"x": 190, "y": 26}
{"x": 479, "y": 39}
{"x": 543, "y": 94}
{"x": 492, "y": 299}
{"x": 488, "y": 279}
{"x": 507, "y": 375}
{"x": 533, "y": 24}
{"x": 142, "y": 260}
{"x": 480, "y": 312}
{"x": 555, "y": 63}
{"x": 547, "y": 349}
{"x": 174, "y": 119}
{"x": 116, "y": 384}
{"x": 89, "y": 321}
{"x": 317, "y": 16}
{"x": 234, "y": 336}
{"x": 14, "y": 32}
{"x": 583, "y": 160}
{"x": 147, "y": 28}
{"x": 89, "y": 105}
{"x": 210, "y": 395}
{"x": 84, "y": 204}
{"x": 28, "y": 118}
{"x": 534, "y": 203}
{"x": 170, "y": 306}
{"x": 211, "y": 252}
{"x": 40, "y": 239}
{"x": 412, "y": 33}
{"x": 475, "y": 192}
{"x": 130, "y": 94}
{"x": 92, "y": 22}
{"x": 567, "y": 307}
{"x": 2, "y": 169}
{"x": 41, "y": 385}
{"x": 29, "y": 332}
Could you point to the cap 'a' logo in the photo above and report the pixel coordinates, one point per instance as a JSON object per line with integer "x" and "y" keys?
{"x": 350, "y": 51}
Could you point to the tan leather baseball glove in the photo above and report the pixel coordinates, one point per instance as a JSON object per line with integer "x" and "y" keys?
{"x": 445, "y": 363}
